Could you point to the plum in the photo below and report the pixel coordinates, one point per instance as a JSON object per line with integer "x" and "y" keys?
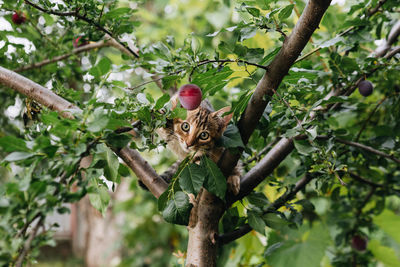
{"x": 359, "y": 242}
{"x": 365, "y": 87}
{"x": 190, "y": 96}
{"x": 18, "y": 18}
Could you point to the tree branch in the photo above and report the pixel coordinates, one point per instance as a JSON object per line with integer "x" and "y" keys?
{"x": 27, "y": 245}
{"x": 84, "y": 18}
{"x": 36, "y": 92}
{"x": 289, "y": 195}
{"x": 369, "y": 118}
{"x": 78, "y": 50}
{"x": 47, "y": 98}
{"x": 364, "y": 147}
{"x": 363, "y": 180}
{"x": 392, "y": 37}
{"x": 370, "y": 13}
{"x": 279, "y": 67}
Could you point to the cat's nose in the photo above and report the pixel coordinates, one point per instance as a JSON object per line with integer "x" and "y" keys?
{"x": 189, "y": 144}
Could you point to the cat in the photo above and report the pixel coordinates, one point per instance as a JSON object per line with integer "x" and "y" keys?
{"x": 198, "y": 134}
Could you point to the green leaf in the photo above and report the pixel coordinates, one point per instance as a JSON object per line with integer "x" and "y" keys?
{"x": 191, "y": 178}
{"x": 384, "y": 254}
{"x": 111, "y": 169}
{"x": 286, "y": 12}
{"x": 247, "y": 33}
{"x": 256, "y": 222}
{"x": 304, "y": 147}
{"x": 15, "y": 156}
{"x": 179, "y": 113}
{"x": 100, "y": 199}
{"x": 115, "y": 13}
{"x": 258, "y": 199}
{"x": 215, "y": 181}
{"x": 390, "y": 223}
{"x": 268, "y": 58}
{"x": 178, "y": 209}
{"x": 255, "y": 12}
{"x": 331, "y": 42}
{"x": 231, "y": 137}
{"x": 123, "y": 170}
{"x": 274, "y": 221}
{"x": 161, "y": 101}
{"x": 11, "y": 143}
{"x": 306, "y": 252}
{"x": 103, "y": 67}
{"x": 97, "y": 121}
{"x": 118, "y": 140}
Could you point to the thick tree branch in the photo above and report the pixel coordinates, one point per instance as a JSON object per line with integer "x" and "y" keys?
{"x": 143, "y": 170}
{"x": 263, "y": 168}
{"x": 37, "y": 92}
{"x": 258, "y": 173}
{"x": 49, "y": 99}
{"x": 279, "y": 67}
{"x": 77, "y": 15}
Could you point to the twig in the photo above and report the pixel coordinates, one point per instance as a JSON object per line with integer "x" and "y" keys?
{"x": 363, "y": 180}
{"x": 84, "y": 18}
{"x": 364, "y": 147}
{"x": 62, "y": 57}
{"x": 370, "y": 13}
{"x": 27, "y": 245}
{"x": 393, "y": 52}
{"x": 376, "y": 9}
{"x": 369, "y": 118}
{"x": 289, "y": 195}
{"x": 299, "y": 123}
{"x": 262, "y": 152}
{"x": 203, "y": 62}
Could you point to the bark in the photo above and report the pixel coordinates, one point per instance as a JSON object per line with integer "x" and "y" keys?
{"x": 279, "y": 67}
{"x": 263, "y": 168}
{"x": 201, "y": 249}
{"x": 387, "y": 44}
{"x": 203, "y": 230}
{"x": 36, "y": 92}
{"x": 51, "y": 100}
{"x": 104, "y": 236}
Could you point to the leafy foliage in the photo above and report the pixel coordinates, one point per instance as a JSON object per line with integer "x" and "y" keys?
{"x": 224, "y": 47}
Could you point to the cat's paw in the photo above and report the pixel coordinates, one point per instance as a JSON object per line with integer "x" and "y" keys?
{"x": 234, "y": 184}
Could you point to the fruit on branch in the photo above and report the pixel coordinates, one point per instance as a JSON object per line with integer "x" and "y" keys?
{"x": 80, "y": 41}
{"x": 18, "y": 18}
{"x": 190, "y": 96}
{"x": 365, "y": 87}
{"x": 359, "y": 242}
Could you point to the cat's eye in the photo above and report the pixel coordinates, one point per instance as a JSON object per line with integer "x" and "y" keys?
{"x": 185, "y": 127}
{"x": 204, "y": 136}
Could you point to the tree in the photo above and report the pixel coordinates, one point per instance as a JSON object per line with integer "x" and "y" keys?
{"x": 321, "y": 162}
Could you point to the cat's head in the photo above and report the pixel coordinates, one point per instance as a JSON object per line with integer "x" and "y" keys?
{"x": 201, "y": 128}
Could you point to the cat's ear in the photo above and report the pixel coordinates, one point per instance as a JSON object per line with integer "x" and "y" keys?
{"x": 221, "y": 112}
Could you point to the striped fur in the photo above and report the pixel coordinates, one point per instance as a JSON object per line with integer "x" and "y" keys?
{"x": 198, "y": 134}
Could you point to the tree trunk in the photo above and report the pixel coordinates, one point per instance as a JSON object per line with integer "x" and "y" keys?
{"x": 203, "y": 230}
{"x": 98, "y": 238}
